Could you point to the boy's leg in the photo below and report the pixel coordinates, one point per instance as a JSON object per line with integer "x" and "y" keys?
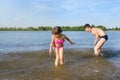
{"x": 61, "y": 50}
{"x": 97, "y": 48}
{"x": 100, "y": 51}
{"x": 57, "y": 57}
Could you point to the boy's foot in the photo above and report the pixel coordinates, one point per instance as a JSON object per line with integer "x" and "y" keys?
{"x": 101, "y": 54}
{"x": 98, "y": 55}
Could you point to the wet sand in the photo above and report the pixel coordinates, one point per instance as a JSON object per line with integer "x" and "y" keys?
{"x": 79, "y": 65}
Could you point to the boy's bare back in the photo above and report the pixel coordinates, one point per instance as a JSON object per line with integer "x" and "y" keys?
{"x": 97, "y": 31}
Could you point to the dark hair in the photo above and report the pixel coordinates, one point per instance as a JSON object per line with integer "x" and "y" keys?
{"x": 87, "y": 26}
{"x": 56, "y": 30}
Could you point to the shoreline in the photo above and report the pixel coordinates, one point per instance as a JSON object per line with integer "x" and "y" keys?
{"x": 38, "y": 65}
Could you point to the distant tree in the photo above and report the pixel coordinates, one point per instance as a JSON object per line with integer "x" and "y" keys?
{"x": 101, "y": 27}
{"x": 30, "y": 29}
{"x": 81, "y": 28}
{"x": 93, "y": 25}
{"x": 47, "y": 28}
{"x": 41, "y": 28}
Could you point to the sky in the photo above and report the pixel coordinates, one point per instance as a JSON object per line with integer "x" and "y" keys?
{"x": 26, "y": 13}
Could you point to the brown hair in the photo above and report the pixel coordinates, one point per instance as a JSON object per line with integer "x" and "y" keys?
{"x": 56, "y": 30}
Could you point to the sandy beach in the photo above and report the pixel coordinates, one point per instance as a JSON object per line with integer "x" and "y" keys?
{"x": 39, "y": 65}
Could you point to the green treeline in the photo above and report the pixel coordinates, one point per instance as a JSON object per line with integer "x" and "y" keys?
{"x": 48, "y": 28}
{"x": 43, "y": 28}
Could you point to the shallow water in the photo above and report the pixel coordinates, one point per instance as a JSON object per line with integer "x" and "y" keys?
{"x": 22, "y": 57}
{"x": 79, "y": 65}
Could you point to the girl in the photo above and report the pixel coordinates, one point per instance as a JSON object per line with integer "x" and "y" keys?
{"x": 57, "y": 42}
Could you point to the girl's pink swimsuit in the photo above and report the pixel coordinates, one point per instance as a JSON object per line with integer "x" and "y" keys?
{"x": 58, "y": 41}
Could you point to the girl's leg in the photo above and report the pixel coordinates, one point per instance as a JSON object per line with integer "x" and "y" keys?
{"x": 97, "y": 48}
{"x": 57, "y": 56}
{"x": 61, "y": 52}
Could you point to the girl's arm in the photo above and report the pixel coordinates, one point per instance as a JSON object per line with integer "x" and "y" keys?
{"x": 69, "y": 40}
{"x": 51, "y": 45}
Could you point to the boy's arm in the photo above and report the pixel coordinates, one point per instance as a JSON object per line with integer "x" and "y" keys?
{"x": 96, "y": 37}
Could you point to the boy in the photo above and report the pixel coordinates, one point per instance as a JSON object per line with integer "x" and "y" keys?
{"x": 100, "y": 38}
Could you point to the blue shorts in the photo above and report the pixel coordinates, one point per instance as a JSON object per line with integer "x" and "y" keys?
{"x": 105, "y": 37}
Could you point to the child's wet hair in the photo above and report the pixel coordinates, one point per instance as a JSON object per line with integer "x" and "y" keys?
{"x": 87, "y": 26}
{"x": 56, "y": 30}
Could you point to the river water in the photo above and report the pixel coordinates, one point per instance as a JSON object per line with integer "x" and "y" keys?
{"x": 27, "y": 41}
